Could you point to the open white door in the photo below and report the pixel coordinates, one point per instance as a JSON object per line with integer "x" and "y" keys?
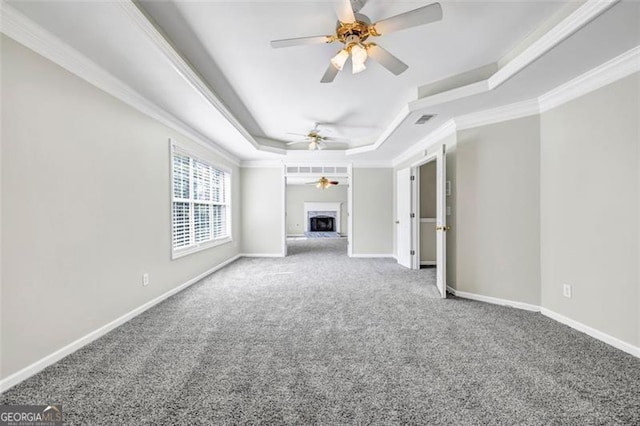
{"x": 403, "y": 219}
{"x": 441, "y": 222}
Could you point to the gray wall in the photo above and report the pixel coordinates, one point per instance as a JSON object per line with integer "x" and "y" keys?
{"x": 297, "y": 195}
{"x": 590, "y": 194}
{"x": 373, "y": 211}
{"x": 498, "y": 210}
{"x": 262, "y": 203}
{"x": 85, "y": 209}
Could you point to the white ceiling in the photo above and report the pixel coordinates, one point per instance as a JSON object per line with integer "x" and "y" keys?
{"x": 271, "y": 92}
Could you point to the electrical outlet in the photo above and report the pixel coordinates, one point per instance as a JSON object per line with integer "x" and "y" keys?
{"x": 566, "y": 291}
{"x": 145, "y": 279}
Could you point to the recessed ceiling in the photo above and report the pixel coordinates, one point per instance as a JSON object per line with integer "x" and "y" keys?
{"x": 210, "y": 65}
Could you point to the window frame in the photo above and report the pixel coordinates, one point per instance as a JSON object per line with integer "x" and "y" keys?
{"x": 176, "y": 253}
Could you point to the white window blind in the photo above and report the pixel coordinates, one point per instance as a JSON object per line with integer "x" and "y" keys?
{"x": 200, "y": 207}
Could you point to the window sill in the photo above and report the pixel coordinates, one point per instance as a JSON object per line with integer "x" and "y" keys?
{"x": 177, "y": 254}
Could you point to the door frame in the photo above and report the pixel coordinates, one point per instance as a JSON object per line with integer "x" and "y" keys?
{"x": 437, "y": 155}
{"x": 311, "y": 175}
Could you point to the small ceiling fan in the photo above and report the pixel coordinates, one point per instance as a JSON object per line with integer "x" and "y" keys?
{"x": 315, "y": 140}
{"x": 353, "y": 29}
{"x": 323, "y": 183}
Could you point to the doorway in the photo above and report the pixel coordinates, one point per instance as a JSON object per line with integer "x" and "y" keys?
{"x": 317, "y": 215}
{"x": 421, "y": 216}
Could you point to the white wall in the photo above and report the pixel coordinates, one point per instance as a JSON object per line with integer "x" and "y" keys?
{"x": 85, "y": 209}
{"x": 373, "y": 207}
{"x": 498, "y": 210}
{"x": 262, "y": 192}
{"x": 590, "y": 195}
{"x": 297, "y": 195}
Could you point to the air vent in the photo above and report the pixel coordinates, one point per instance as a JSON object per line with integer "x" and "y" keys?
{"x": 423, "y": 119}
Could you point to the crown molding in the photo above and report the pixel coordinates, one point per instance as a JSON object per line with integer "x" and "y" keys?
{"x": 572, "y": 23}
{"x": 498, "y": 115}
{"x": 607, "y": 73}
{"x": 261, "y": 164}
{"x": 450, "y": 95}
{"x": 29, "y": 34}
{"x": 404, "y": 113}
{"x": 187, "y": 72}
{"x": 445, "y": 130}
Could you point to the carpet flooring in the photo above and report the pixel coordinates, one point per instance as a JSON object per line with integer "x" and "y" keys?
{"x": 318, "y": 338}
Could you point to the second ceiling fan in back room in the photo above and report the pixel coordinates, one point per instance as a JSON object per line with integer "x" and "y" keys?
{"x": 353, "y": 29}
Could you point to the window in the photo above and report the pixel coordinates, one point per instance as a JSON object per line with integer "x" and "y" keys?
{"x": 200, "y": 204}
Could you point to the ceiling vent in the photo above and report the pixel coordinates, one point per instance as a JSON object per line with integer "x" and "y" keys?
{"x": 423, "y": 119}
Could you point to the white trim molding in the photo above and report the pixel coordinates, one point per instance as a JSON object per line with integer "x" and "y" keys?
{"x": 590, "y": 331}
{"x": 187, "y": 72}
{"x": 617, "y": 68}
{"x": 498, "y": 115}
{"x": 578, "y": 19}
{"x": 29, "y": 34}
{"x": 56, "y": 356}
{"x": 494, "y": 300}
{"x": 445, "y": 130}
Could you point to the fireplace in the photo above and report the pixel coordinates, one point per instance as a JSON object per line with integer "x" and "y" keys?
{"x": 322, "y": 224}
{"x": 321, "y": 217}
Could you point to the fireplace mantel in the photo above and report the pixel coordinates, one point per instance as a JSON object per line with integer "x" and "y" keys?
{"x": 321, "y": 207}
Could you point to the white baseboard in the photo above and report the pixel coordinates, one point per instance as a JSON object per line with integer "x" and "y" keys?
{"x": 295, "y": 235}
{"x": 56, "y": 356}
{"x": 261, "y": 255}
{"x": 590, "y": 331}
{"x": 494, "y": 300}
{"x": 596, "y": 334}
{"x": 428, "y": 262}
{"x": 374, "y": 255}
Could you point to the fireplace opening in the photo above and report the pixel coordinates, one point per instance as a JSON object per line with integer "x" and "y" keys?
{"x": 322, "y": 224}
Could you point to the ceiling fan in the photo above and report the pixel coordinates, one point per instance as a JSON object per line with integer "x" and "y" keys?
{"x": 323, "y": 183}
{"x": 353, "y": 29}
{"x": 315, "y": 139}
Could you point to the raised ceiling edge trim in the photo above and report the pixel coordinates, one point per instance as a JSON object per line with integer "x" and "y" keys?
{"x": 445, "y": 130}
{"x": 579, "y": 18}
{"x": 26, "y": 32}
{"x": 572, "y": 23}
{"x": 611, "y": 71}
{"x": 187, "y": 72}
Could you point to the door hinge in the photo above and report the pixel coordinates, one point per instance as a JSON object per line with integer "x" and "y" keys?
{"x": 412, "y": 215}
{"x": 412, "y": 252}
{"x": 413, "y": 178}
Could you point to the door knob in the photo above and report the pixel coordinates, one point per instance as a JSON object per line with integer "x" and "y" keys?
{"x": 397, "y": 222}
{"x": 443, "y": 228}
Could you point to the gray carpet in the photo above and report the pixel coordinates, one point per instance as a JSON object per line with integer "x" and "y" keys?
{"x": 318, "y": 338}
{"x": 316, "y": 234}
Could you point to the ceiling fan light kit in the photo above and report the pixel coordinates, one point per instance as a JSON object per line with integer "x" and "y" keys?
{"x": 353, "y": 29}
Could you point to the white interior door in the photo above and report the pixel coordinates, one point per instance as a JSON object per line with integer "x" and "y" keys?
{"x": 441, "y": 222}
{"x": 403, "y": 219}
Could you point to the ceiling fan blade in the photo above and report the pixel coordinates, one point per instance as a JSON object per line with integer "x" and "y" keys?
{"x": 329, "y": 74}
{"x": 288, "y": 42}
{"x": 296, "y": 142}
{"x": 331, "y": 139}
{"x": 386, "y": 59}
{"x": 344, "y": 10}
{"x": 413, "y": 18}
{"x": 297, "y": 134}
{"x": 334, "y": 182}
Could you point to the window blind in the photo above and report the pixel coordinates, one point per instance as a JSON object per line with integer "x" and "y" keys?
{"x": 199, "y": 201}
